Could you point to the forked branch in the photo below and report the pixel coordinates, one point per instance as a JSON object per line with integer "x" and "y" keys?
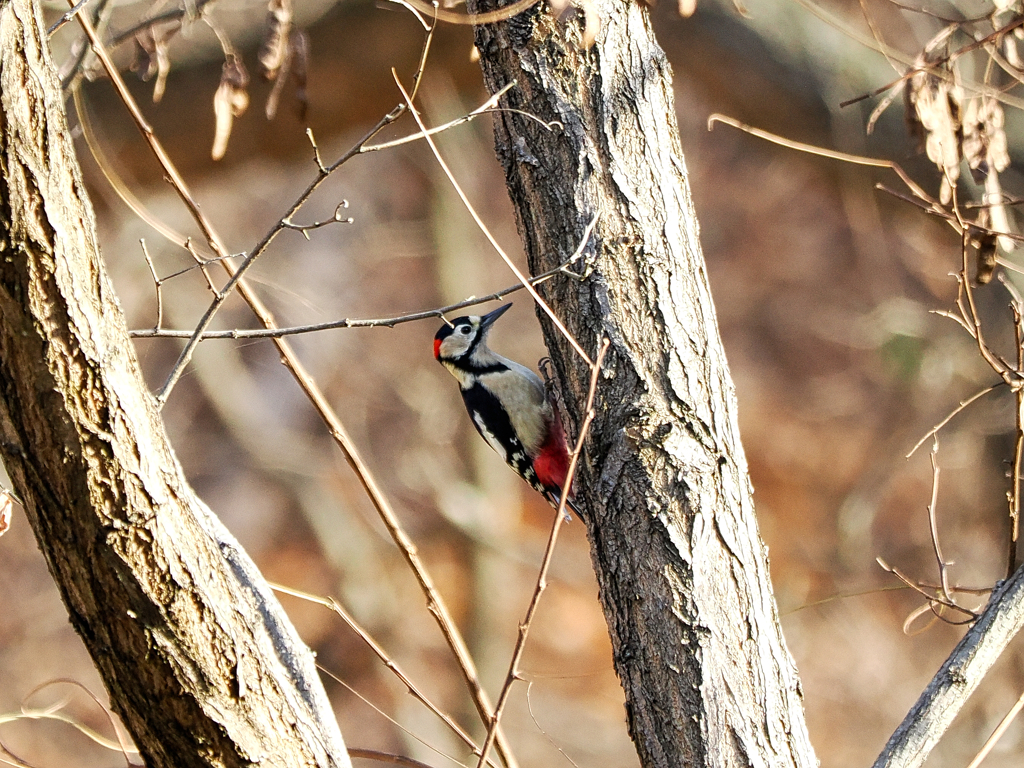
{"x": 435, "y": 604}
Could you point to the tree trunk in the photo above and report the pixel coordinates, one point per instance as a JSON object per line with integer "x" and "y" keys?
{"x": 198, "y": 657}
{"x": 683, "y": 574}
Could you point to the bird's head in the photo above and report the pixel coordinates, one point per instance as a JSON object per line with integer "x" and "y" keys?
{"x": 462, "y": 338}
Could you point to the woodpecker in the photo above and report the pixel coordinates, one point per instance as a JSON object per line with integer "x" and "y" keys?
{"x": 507, "y": 404}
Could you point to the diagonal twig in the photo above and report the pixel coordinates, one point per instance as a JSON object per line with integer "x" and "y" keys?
{"x": 366, "y": 700}
{"x": 333, "y": 605}
{"x": 933, "y": 600}
{"x": 997, "y": 734}
{"x": 531, "y": 611}
{"x": 249, "y": 259}
{"x": 435, "y": 604}
{"x": 963, "y": 404}
{"x": 958, "y": 677}
{"x": 483, "y": 228}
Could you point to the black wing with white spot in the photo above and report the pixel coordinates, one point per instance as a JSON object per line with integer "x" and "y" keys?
{"x": 492, "y": 422}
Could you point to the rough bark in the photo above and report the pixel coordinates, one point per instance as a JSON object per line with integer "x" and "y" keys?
{"x": 683, "y": 574}
{"x": 198, "y": 657}
{"x": 958, "y": 677}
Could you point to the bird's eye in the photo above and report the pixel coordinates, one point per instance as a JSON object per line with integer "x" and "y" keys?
{"x": 463, "y": 329}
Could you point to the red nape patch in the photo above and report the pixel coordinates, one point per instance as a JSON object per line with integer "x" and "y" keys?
{"x": 437, "y": 349}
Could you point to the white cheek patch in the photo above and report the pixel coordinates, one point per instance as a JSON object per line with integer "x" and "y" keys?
{"x": 454, "y": 346}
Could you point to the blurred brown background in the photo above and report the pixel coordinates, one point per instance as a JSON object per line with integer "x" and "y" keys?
{"x": 823, "y": 289}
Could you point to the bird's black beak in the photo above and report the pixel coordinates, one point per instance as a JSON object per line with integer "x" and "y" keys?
{"x": 488, "y": 320}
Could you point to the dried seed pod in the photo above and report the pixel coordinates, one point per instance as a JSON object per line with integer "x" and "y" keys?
{"x": 933, "y": 110}
{"x": 936, "y": 104}
{"x": 984, "y": 143}
{"x": 985, "y": 264}
{"x": 230, "y": 101}
{"x": 299, "y": 47}
{"x": 151, "y": 55}
{"x": 274, "y": 51}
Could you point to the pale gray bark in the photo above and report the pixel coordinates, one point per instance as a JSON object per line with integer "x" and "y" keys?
{"x": 198, "y": 657}
{"x": 682, "y": 571}
{"x": 959, "y": 676}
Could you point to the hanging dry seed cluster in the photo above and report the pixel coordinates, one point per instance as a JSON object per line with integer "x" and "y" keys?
{"x": 285, "y": 52}
{"x": 283, "y": 57}
{"x": 151, "y": 55}
{"x": 230, "y": 101}
{"x": 953, "y": 126}
{"x": 957, "y": 119}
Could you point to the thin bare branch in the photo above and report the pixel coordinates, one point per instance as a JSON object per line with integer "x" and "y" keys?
{"x": 386, "y": 757}
{"x": 331, "y": 604}
{"x": 118, "y": 744}
{"x": 997, "y": 734}
{"x": 922, "y": 610}
{"x": 177, "y": 182}
{"x": 111, "y": 175}
{"x": 486, "y": 232}
{"x": 316, "y": 151}
{"x": 9, "y": 758}
{"x": 797, "y": 145}
{"x": 963, "y": 403}
{"x": 939, "y": 17}
{"x": 247, "y": 261}
{"x": 933, "y": 525}
{"x": 190, "y": 9}
{"x": 66, "y": 17}
{"x": 201, "y": 263}
{"x": 828, "y": 153}
{"x": 959, "y": 321}
{"x": 262, "y": 245}
{"x": 933, "y": 600}
{"x": 451, "y": 17}
{"x": 936, "y": 67}
{"x": 486, "y": 107}
{"x": 385, "y": 322}
{"x": 531, "y": 611}
{"x": 157, "y": 284}
{"x": 876, "y": 33}
{"x": 934, "y": 208}
{"x": 1000, "y": 366}
{"x": 389, "y": 718}
{"x": 958, "y": 677}
{"x": 305, "y": 229}
{"x": 435, "y": 604}
{"x": 536, "y": 722}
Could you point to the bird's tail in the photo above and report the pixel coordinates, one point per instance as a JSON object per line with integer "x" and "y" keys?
{"x": 555, "y": 495}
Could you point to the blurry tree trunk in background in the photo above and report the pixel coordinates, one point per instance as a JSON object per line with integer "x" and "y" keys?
{"x": 682, "y": 571}
{"x": 198, "y": 657}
